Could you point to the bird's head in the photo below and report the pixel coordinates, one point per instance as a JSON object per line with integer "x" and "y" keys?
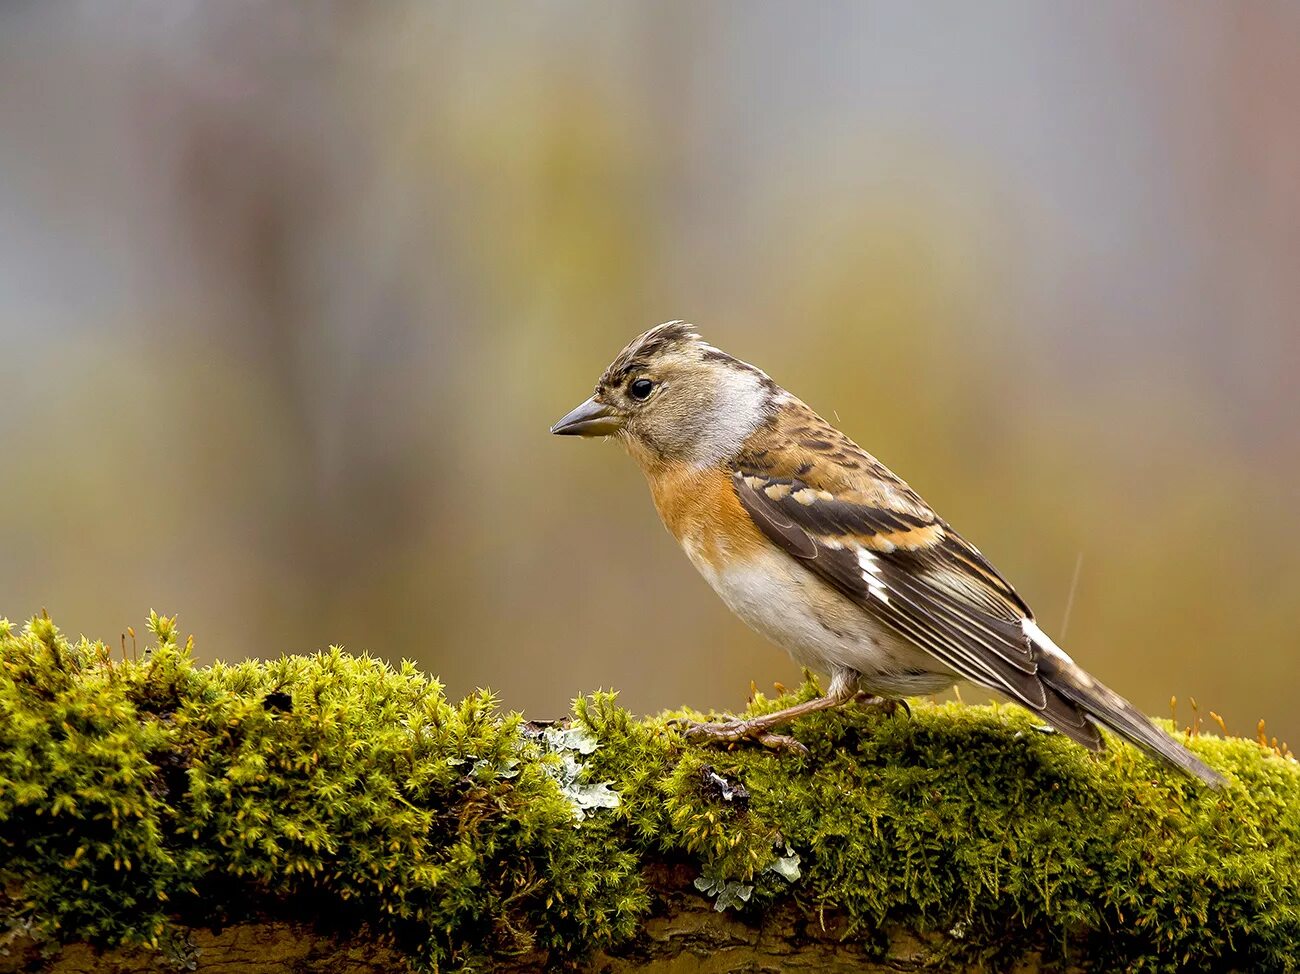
{"x": 673, "y": 398}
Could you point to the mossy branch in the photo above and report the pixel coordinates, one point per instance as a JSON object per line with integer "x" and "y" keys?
{"x": 330, "y": 812}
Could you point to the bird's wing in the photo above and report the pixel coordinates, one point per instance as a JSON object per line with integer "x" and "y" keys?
{"x": 850, "y": 520}
{"x": 828, "y": 503}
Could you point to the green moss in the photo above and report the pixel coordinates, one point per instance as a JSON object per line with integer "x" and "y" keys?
{"x": 137, "y": 794}
{"x": 971, "y": 822}
{"x": 131, "y": 791}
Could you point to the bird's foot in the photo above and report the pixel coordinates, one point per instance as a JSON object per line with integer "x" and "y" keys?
{"x": 889, "y": 705}
{"x": 731, "y": 732}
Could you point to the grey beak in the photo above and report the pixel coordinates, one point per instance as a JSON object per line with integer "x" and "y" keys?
{"x": 592, "y": 418}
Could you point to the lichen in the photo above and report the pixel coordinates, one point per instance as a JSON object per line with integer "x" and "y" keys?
{"x": 138, "y": 796}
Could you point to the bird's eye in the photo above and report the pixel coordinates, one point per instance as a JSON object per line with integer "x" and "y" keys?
{"x": 640, "y": 389}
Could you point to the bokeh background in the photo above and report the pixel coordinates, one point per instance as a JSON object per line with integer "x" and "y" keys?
{"x": 290, "y": 293}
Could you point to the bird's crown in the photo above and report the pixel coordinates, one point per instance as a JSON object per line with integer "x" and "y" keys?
{"x": 642, "y": 351}
{"x": 677, "y": 342}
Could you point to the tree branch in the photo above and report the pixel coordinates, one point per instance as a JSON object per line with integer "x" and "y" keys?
{"x": 332, "y": 813}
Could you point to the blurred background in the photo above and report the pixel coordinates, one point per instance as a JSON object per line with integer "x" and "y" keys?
{"x": 289, "y": 295}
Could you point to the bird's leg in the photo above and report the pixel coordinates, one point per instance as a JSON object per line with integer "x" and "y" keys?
{"x": 843, "y": 689}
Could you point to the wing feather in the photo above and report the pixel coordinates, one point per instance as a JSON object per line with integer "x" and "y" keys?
{"x": 906, "y": 569}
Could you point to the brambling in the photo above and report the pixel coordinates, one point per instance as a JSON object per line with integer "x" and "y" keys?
{"x": 821, "y": 548}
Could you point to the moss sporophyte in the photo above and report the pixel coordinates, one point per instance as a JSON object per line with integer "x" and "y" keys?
{"x": 145, "y": 795}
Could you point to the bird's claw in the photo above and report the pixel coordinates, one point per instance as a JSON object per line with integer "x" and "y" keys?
{"x": 736, "y": 731}
{"x": 890, "y": 705}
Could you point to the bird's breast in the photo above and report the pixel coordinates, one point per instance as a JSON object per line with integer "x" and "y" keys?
{"x": 775, "y": 595}
{"x": 701, "y": 510}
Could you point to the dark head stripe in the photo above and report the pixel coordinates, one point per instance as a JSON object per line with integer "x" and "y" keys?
{"x": 645, "y": 348}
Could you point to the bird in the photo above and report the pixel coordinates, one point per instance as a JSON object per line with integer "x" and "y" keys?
{"x": 821, "y": 548}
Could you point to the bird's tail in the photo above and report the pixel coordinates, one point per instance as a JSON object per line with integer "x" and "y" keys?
{"x": 1105, "y": 707}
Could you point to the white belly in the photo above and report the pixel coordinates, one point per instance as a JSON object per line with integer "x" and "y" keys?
{"x": 782, "y": 600}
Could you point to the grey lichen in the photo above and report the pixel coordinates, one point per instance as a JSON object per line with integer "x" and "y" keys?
{"x": 787, "y": 866}
{"x": 567, "y": 744}
{"x": 727, "y": 893}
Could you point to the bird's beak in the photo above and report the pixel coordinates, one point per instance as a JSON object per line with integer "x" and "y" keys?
{"x": 592, "y": 418}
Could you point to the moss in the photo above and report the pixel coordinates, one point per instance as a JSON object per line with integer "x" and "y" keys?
{"x": 136, "y": 796}
{"x": 133, "y": 791}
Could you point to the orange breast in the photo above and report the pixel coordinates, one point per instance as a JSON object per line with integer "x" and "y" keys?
{"x": 702, "y": 511}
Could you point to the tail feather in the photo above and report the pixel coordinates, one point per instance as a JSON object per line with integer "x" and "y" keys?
{"x": 1070, "y": 720}
{"x": 1103, "y": 706}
